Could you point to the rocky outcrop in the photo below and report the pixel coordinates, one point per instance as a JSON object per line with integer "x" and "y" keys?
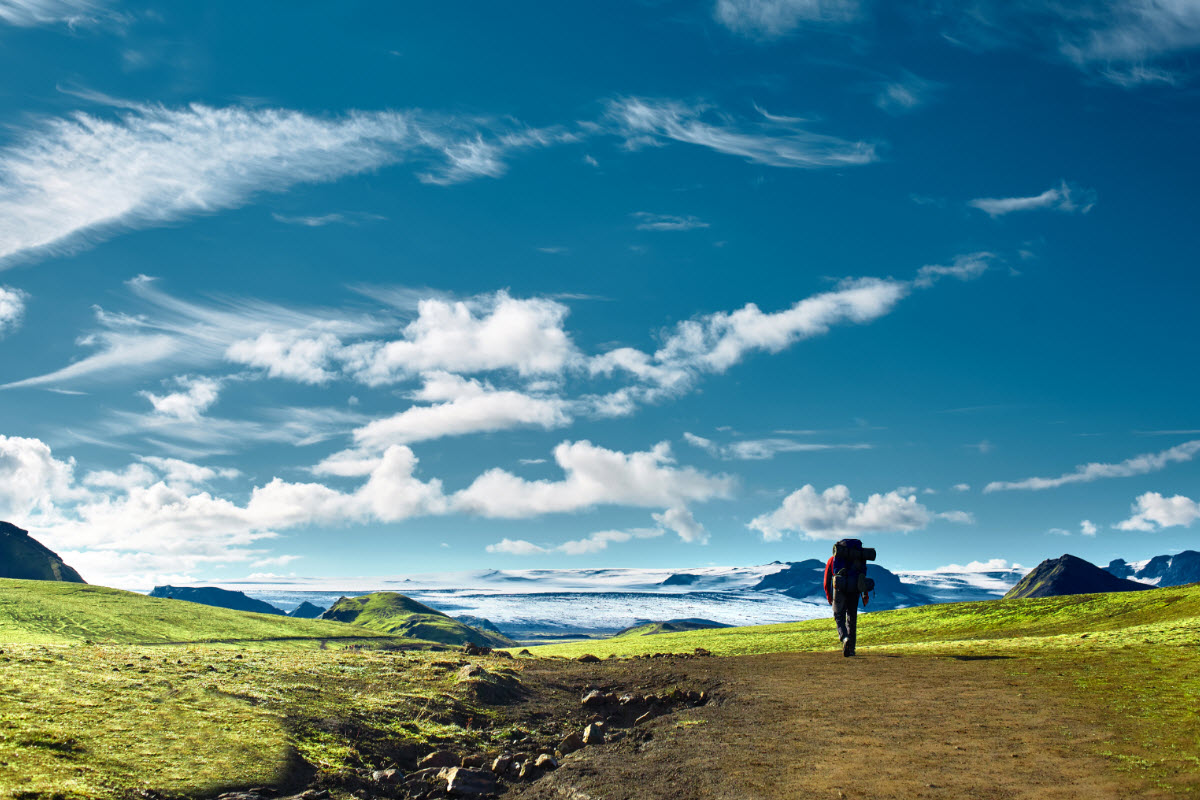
{"x": 212, "y": 596}
{"x": 1070, "y": 574}
{"x": 25, "y": 558}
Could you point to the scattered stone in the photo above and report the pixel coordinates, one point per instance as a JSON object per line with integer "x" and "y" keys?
{"x": 546, "y": 762}
{"x": 472, "y": 649}
{"x": 525, "y": 652}
{"x": 473, "y": 762}
{"x": 463, "y": 781}
{"x": 470, "y": 671}
{"x": 502, "y": 763}
{"x": 594, "y": 734}
{"x": 423, "y": 774}
{"x": 529, "y": 772}
{"x": 700, "y": 651}
{"x": 588, "y": 658}
{"x": 629, "y": 699}
{"x": 502, "y": 654}
{"x": 593, "y": 698}
{"x": 570, "y": 744}
{"x": 386, "y": 776}
{"x": 439, "y": 759}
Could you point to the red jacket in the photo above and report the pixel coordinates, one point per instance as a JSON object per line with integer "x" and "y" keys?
{"x": 829, "y": 583}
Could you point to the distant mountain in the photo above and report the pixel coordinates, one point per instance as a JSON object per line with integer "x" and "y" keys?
{"x": 680, "y": 579}
{"x": 212, "y": 596}
{"x": 25, "y": 558}
{"x": 306, "y": 610}
{"x": 479, "y": 623}
{"x": 805, "y": 580}
{"x": 1173, "y": 570}
{"x": 1069, "y": 574}
{"x": 396, "y": 614}
{"x": 670, "y": 626}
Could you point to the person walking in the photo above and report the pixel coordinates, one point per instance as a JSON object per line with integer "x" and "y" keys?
{"x": 845, "y": 581}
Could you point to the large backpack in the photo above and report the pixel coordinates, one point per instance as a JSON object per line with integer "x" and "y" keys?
{"x": 850, "y": 566}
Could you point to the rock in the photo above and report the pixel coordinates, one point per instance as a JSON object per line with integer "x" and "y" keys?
{"x": 502, "y": 763}
{"x": 472, "y": 649}
{"x": 473, "y": 762}
{"x": 423, "y": 774}
{"x": 439, "y": 759}
{"x": 700, "y": 651}
{"x": 529, "y": 772}
{"x": 593, "y": 698}
{"x": 588, "y": 658}
{"x": 470, "y": 671}
{"x": 502, "y": 654}
{"x": 525, "y": 652}
{"x": 570, "y": 744}
{"x": 546, "y": 762}
{"x": 386, "y": 776}
{"x": 463, "y": 781}
{"x": 594, "y": 734}
{"x": 649, "y": 715}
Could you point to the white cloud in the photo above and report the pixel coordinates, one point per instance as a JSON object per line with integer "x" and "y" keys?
{"x": 833, "y": 514}
{"x": 467, "y": 406}
{"x": 1086, "y": 473}
{"x": 763, "y": 449}
{"x": 991, "y": 565}
{"x": 292, "y": 355}
{"x": 488, "y": 332}
{"x": 965, "y": 267}
{"x": 1064, "y": 197}
{"x": 27, "y": 13}
{"x": 1086, "y": 528}
{"x": 516, "y": 547}
{"x": 1152, "y": 512}
{"x": 1058, "y": 532}
{"x": 774, "y": 141}
{"x": 769, "y": 19}
{"x": 74, "y": 179}
{"x": 961, "y": 517}
{"x": 962, "y": 487}
{"x": 12, "y": 309}
{"x": 321, "y": 220}
{"x": 683, "y": 523}
{"x": 904, "y": 95}
{"x": 648, "y": 221}
{"x": 593, "y": 476}
{"x": 197, "y": 396}
{"x": 31, "y": 479}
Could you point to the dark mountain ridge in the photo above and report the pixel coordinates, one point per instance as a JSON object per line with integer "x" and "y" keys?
{"x": 1070, "y": 574}
{"x": 212, "y": 596}
{"x": 25, "y": 558}
{"x": 1176, "y": 570}
{"x": 806, "y": 579}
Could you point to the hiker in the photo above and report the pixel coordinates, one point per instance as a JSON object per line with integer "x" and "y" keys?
{"x": 845, "y": 580}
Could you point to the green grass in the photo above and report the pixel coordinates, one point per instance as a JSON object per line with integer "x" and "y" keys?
{"x": 50, "y": 612}
{"x": 1169, "y": 616}
{"x": 389, "y": 612}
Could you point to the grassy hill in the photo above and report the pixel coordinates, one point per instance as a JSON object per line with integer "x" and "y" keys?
{"x": 1163, "y": 616}
{"x": 389, "y": 612}
{"x": 45, "y": 612}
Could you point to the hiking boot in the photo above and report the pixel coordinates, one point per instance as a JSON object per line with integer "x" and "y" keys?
{"x": 847, "y": 648}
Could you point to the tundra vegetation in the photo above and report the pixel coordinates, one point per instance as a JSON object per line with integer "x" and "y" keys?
{"x": 108, "y": 692}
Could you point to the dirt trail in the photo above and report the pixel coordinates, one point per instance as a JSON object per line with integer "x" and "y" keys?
{"x": 908, "y": 727}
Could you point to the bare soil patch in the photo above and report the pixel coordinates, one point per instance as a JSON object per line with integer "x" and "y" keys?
{"x": 801, "y": 725}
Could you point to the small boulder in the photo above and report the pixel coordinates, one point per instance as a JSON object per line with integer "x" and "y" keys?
{"x": 588, "y": 658}
{"x": 593, "y": 698}
{"x": 502, "y": 763}
{"x": 472, "y": 762}
{"x": 502, "y": 654}
{"x": 529, "y": 772}
{"x": 439, "y": 759}
{"x": 472, "y": 649}
{"x": 525, "y": 652}
{"x": 700, "y": 651}
{"x": 570, "y": 744}
{"x": 463, "y": 781}
{"x": 594, "y": 734}
{"x": 387, "y": 777}
{"x": 546, "y": 762}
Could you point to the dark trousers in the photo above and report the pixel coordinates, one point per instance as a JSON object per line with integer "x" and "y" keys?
{"x": 845, "y": 614}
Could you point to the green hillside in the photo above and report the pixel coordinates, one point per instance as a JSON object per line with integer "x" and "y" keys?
{"x": 392, "y": 613}
{"x": 1162, "y": 616}
{"x": 45, "y": 612}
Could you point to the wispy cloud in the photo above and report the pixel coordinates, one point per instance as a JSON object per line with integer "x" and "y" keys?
{"x": 763, "y": 449}
{"x": 906, "y": 94}
{"x": 12, "y": 309}
{"x": 27, "y": 13}
{"x": 1086, "y": 473}
{"x": 589, "y": 545}
{"x": 1064, "y": 198}
{"x": 73, "y": 180}
{"x": 965, "y": 267}
{"x": 771, "y": 140}
{"x": 648, "y": 221}
{"x": 321, "y": 220}
{"x": 770, "y": 19}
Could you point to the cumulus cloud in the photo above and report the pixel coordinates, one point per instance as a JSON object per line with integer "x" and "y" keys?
{"x": 1153, "y": 512}
{"x": 462, "y": 406}
{"x": 648, "y": 221}
{"x": 12, "y": 309}
{"x": 771, "y": 141}
{"x": 1086, "y": 528}
{"x": 681, "y": 521}
{"x": 1086, "y": 473}
{"x": 594, "y": 476}
{"x": 834, "y": 514}
{"x": 770, "y": 19}
{"x": 1063, "y": 197}
{"x": 75, "y": 179}
{"x": 195, "y": 396}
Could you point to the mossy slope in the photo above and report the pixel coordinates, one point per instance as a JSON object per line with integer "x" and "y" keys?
{"x": 390, "y": 612}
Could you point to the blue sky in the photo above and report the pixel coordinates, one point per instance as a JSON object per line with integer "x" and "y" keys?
{"x": 366, "y": 290}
